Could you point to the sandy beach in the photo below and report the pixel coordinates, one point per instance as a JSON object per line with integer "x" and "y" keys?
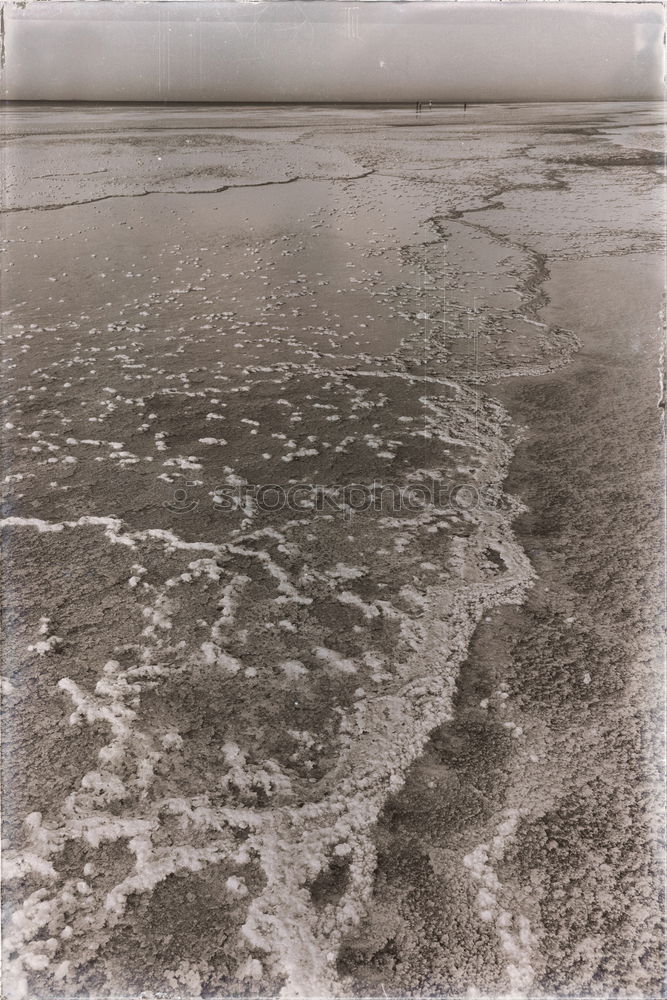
{"x": 333, "y": 519}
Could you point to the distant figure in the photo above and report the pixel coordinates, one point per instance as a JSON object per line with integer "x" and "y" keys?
{"x": 417, "y": 108}
{"x": 464, "y": 108}
{"x": 430, "y": 105}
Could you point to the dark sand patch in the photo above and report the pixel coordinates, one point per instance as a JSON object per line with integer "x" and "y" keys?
{"x": 577, "y": 667}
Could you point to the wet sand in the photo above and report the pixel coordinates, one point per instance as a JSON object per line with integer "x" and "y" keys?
{"x": 559, "y": 709}
{"x": 352, "y": 751}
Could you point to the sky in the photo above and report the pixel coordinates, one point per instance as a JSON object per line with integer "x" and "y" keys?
{"x": 332, "y": 50}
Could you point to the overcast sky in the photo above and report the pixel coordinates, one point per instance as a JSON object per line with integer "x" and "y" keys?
{"x": 332, "y": 50}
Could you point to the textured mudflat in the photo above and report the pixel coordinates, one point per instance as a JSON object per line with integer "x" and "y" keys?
{"x": 309, "y": 738}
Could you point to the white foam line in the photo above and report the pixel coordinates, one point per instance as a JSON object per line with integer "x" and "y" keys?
{"x": 513, "y": 929}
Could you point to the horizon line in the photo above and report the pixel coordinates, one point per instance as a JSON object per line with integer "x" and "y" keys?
{"x": 329, "y": 104}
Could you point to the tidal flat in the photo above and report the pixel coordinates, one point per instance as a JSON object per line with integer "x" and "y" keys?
{"x": 333, "y": 507}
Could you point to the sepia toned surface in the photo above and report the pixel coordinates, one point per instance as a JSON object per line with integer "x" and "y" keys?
{"x": 311, "y": 739}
